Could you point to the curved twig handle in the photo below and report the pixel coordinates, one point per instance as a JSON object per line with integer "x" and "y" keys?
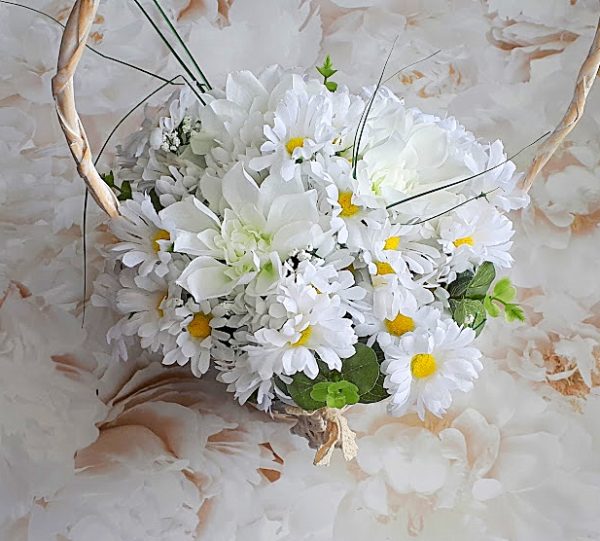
{"x": 585, "y": 80}
{"x": 72, "y": 47}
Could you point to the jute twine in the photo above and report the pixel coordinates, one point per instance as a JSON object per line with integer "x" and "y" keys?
{"x": 326, "y": 428}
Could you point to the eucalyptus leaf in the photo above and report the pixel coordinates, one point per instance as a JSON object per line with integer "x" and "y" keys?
{"x": 377, "y": 393}
{"x": 362, "y": 368}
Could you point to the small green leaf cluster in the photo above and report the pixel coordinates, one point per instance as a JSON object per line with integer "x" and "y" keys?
{"x": 327, "y": 71}
{"x": 503, "y": 294}
{"x": 471, "y": 303}
{"x": 359, "y": 380}
{"x": 123, "y": 191}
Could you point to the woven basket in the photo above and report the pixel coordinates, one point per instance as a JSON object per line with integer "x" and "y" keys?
{"x": 325, "y": 429}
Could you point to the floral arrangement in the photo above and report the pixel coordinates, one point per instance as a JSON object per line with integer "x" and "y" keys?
{"x": 302, "y": 241}
{"x": 314, "y": 247}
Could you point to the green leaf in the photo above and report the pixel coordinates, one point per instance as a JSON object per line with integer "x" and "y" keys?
{"x": 362, "y": 368}
{"x": 108, "y": 178}
{"x": 300, "y": 389}
{"x": 470, "y": 313}
{"x": 335, "y": 401}
{"x": 513, "y": 312}
{"x": 504, "y": 290}
{"x": 125, "y": 191}
{"x": 327, "y": 71}
{"x": 481, "y": 281}
{"x": 320, "y": 391}
{"x": 331, "y": 86}
{"x": 458, "y": 288}
{"x": 490, "y": 307}
{"x": 335, "y": 394}
{"x": 376, "y": 394}
{"x": 155, "y": 200}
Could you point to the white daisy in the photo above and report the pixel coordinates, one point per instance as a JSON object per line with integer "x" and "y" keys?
{"x": 244, "y": 381}
{"x": 350, "y": 211}
{"x": 325, "y": 278}
{"x": 196, "y": 334}
{"x": 315, "y": 325}
{"x": 424, "y": 368}
{"x": 392, "y": 242}
{"x": 145, "y": 240}
{"x": 301, "y": 127}
{"x": 147, "y": 302}
{"x": 474, "y": 233}
{"x": 395, "y": 314}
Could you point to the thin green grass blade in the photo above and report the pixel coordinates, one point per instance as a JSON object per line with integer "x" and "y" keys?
{"x": 95, "y": 51}
{"x": 182, "y": 43}
{"x": 480, "y": 196}
{"x": 87, "y": 193}
{"x": 466, "y": 179}
{"x": 172, "y": 50}
{"x": 365, "y": 115}
{"x": 412, "y": 64}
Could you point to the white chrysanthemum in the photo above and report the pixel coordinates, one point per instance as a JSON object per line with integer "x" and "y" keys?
{"x": 394, "y": 315}
{"x": 424, "y": 368}
{"x": 301, "y": 127}
{"x": 474, "y": 233}
{"x": 145, "y": 240}
{"x": 196, "y": 334}
{"x": 315, "y": 325}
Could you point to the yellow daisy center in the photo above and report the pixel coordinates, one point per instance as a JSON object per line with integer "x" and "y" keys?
{"x": 304, "y": 337}
{"x": 199, "y": 327}
{"x": 384, "y": 268}
{"x": 400, "y": 324}
{"x": 161, "y": 234}
{"x": 392, "y": 243}
{"x": 423, "y": 365}
{"x": 348, "y": 208}
{"x": 294, "y": 143}
{"x": 464, "y": 240}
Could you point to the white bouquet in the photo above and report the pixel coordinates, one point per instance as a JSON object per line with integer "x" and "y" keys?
{"x": 301, "y": 240}
{"x": 314, "y": 247}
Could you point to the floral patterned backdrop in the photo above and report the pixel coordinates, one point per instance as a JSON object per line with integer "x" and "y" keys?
{"x": 93, "y": 449}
